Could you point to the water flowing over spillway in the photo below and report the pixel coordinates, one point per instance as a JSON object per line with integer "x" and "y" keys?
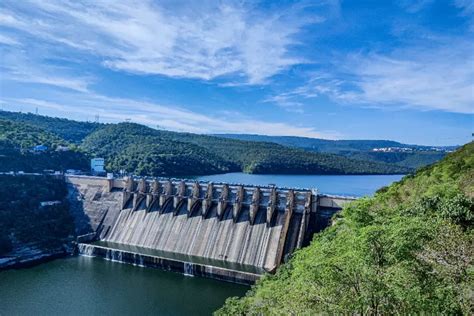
{"x": 233, "y": 231}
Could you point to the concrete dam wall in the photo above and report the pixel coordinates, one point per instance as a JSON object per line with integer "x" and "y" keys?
{"x": 232, "y": 232}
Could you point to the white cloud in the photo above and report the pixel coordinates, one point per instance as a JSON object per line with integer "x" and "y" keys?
{"x": 42, "y": 77}
{"x": 196, "y": 40}
{"x": 87, "y": 105}
{"x": 467, "y": 10}
{"x": 7, "y": 40}
{"x": 16, "y": 65}
{"x": 413, "y": 6}
{"x": 286, "y": 101}
{"x": 438, "y": 77}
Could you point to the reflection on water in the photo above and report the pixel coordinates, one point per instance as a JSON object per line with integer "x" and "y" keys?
{"x": 92, "y": 286}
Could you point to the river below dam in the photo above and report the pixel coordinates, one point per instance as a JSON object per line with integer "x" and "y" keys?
{"x": 92, "y": 286}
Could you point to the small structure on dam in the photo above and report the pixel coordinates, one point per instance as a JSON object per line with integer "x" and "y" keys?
{"x": 225, "y": 231}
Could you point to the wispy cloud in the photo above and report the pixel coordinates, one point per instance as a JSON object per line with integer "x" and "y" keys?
{"x": 41, "y": 77}
{"x": 286, "y": 101}
{"x": 437, "y": 77}
{"x": 8, "y": 40}
{"x": 413, "y": 6}
{"x": 17, "y": 66}
{"x": 171, "y": 117}
{"x": 198, "y": 40}
{"x": 467, "y": 10}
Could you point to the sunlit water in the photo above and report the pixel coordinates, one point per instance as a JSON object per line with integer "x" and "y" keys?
{"x": 92, "y": 286}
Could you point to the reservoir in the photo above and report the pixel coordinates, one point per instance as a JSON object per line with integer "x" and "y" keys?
{"x": 92, "y": 286}
{"x": 357, "y": 186}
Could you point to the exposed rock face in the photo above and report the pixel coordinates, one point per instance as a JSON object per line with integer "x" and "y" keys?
{"x": 35, "y": 223}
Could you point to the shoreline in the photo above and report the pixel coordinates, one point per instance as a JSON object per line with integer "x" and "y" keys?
{"x": 28, "y": 261}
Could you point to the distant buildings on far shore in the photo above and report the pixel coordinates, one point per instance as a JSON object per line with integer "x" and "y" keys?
{"x": 410, "y": 149}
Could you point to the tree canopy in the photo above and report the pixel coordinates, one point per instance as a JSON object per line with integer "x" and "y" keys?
{"x": 407, "y": 250}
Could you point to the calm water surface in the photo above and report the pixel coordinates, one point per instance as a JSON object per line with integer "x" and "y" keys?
{"x": 92, "y": 286}
{"x": 338, "y": 185}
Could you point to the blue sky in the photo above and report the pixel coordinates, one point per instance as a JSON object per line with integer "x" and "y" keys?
{"x": 401, "y": 70}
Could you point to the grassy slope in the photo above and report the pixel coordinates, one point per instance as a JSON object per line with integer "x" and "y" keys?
{"x": 407, "y": 250}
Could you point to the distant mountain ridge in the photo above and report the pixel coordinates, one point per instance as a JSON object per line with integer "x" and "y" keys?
{"x": 143, "y": 150}
{"x": 328, "y": 145}
{"x": 387, "y": 151}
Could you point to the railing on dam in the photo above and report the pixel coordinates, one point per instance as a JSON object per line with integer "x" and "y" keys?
{"x": 237, "y": 225}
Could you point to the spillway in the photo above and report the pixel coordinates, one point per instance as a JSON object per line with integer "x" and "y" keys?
{"x": 231, "y": 232}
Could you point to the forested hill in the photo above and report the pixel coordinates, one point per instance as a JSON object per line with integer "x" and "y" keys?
{"x": 17, "y": 140}
{"x": 328, "y": 145}
{"x": 142, "y": 150}
{"x": 407, "y": 251}
{"x": 412, "y": 156}
{"x": 69, "y": 130}
{"x": 148, "y": 151}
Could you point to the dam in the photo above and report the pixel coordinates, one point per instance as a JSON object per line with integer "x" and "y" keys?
{"x": 231, "y": 232}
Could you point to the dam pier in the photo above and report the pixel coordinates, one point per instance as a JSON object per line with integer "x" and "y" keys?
{"x": 230, "y": 232}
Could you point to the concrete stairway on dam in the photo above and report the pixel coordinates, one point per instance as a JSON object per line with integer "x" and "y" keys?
{"x": 239, "y": 225}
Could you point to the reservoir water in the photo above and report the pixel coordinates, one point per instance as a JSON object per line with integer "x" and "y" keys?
{"x": 92, "y": 286}
{"x": 337, "y": 185}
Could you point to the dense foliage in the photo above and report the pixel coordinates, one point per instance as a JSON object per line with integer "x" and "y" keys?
{"x": 24, "y": 221}
{"x": 72, "y": 131}
{"x": 357, "y": 149}
{"x": 16, "y": 150}
{"x": 408, "y": 250}
{"x": 140, "y": 149}
{"x": 25, "y": 137}
{"x": 145, "y": 151}
{"x": 406, "y": 159}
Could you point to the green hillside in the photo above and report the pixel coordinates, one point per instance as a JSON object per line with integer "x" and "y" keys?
{"x": 72, "y": 131}
{"x": 357, "y": 149}
{"x": 145, "y": 151}
{"x": 17, "y": 141}
{"x": 407, "y": 250}
{"x": 317, "y": 144}
{"x": 140, "y": 149}
{"x": 26, "y": 136}
{"x": 406, "y": 159}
